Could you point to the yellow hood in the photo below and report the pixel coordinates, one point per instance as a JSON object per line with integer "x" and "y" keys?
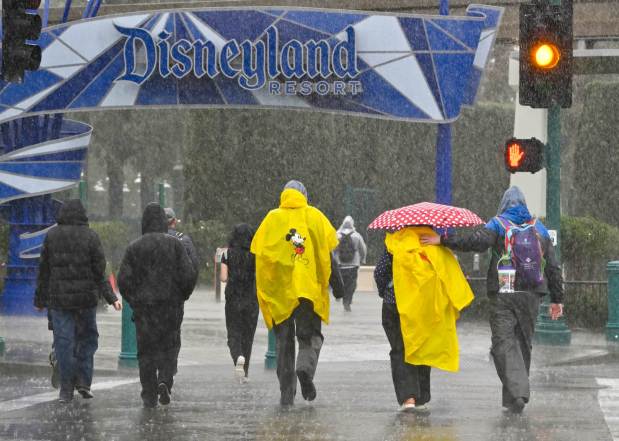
{"x": 430, "y": 290}
{"x": 292, "y": 248}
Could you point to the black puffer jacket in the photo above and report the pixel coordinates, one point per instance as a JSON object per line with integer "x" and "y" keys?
{"x": 72, "y": 264}
{"x": 156, "y": 269}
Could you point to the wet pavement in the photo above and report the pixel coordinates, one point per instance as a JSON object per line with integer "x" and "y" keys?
{"x": 572, "y": 389}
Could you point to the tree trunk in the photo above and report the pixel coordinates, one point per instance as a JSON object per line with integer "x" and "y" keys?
{"x": 147, "y": 190}
{"x": 115, "y": 190}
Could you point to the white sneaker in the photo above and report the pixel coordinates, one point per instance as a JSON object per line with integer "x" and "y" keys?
{"x": 407, "y": 407}
{"x": 239, "y": 369}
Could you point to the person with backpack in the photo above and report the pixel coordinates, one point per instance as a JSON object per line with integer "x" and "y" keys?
{"x": 238, "y": 271}
{"x": 523, "y": 269}
{"x": 349, "y": 255}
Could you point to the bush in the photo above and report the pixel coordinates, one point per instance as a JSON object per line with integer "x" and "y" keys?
{"x": 207, "y": 236}
{"x": 587, "y": 245}
{"x": 115, "y": 236}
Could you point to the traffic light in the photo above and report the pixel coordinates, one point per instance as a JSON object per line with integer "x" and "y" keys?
{"x": 524, "y": 155}
{"x": 21, "y": 25}
{"x": 546, "y": 54}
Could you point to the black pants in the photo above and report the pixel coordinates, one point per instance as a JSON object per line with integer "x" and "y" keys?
{"x": 349, "y": 277}
{"x": 241, "y": 322}
{"x": 158, "y": 331}
{"x": 409, "y": 381}
{"x": 512, "y": 322}
{"x": 306, "y": 325}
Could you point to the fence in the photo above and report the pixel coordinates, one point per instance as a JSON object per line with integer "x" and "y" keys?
{"x": 586, "y": 303}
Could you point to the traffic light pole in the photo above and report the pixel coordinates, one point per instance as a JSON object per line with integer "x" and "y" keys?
{"x": 548, "y": 331}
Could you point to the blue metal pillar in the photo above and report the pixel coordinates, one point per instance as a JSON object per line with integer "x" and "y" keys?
{"x": 25, "y": 215}
{"x": 443, "y": 147}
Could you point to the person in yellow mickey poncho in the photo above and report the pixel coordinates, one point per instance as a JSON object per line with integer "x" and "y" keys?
{"x": 293, "y": 248}
{"x": 423, "y": 291}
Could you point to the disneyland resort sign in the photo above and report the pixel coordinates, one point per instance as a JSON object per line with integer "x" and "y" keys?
{"x": 294, "y": 68}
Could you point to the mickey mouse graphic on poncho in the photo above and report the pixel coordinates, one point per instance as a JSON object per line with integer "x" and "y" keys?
{"x": 298, "y": 242}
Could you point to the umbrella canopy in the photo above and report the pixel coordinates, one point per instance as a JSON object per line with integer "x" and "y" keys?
{"x": 426, "y": 213}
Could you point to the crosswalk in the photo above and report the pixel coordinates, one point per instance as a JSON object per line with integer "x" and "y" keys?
{"x": 31, "y": 400}
{"x": 609, "y": 403}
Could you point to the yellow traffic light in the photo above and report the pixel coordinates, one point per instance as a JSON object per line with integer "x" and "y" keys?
{"x": 546, "y": 55}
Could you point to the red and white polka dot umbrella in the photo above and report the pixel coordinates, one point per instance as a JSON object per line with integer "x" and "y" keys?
{"x": 426, "y": 213}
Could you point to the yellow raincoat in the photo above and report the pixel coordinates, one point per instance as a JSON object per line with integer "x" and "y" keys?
{"x": 293, "y": 260}
{"x": 430, "y": 292}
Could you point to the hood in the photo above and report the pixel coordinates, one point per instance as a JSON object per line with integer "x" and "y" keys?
{"x": 241, "y": 236}
{"x": 348, "y": 226}
{"x": 72, "y": 212}
{"x": 513, "y": 197}
{"x": 154, "y": 219}
{"x": 291, "y": 198}
{"x": 297, "y": 185}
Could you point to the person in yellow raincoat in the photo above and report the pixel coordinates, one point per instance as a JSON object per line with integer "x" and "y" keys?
{"x": 293, "y": 248}
{"x": 423, "y": 291}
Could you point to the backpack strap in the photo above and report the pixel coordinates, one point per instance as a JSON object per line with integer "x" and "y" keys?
{"x": 507, "y": 226}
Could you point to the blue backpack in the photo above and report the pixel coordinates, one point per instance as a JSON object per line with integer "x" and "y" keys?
{"x": 523, "y": 250}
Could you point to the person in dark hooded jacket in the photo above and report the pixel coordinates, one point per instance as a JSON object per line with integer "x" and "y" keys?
{"x": 513, "y": 315}
{"x": 156, "y": 277}
{"x": 71, "y": 278}
{"x": 238, "y": 270}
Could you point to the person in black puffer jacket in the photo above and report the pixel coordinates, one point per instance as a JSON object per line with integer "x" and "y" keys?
{"x": 156, "y": 277}
{"x": 71, "y": 277}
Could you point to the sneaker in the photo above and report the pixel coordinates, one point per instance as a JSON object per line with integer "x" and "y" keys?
{"x": 347, "y": 308}
{"x": 164, "y": 393}
{"x": 55, "y": 370}
{"x": 148, "y": 404}
{"x": 239, "y": 368}
{"x": 84, "y": 392}
{"x": 408, "y": 405}
{"x": 518, "y": 405}
{"x": 65, "y": 398}
{"x": 308, "y": 390}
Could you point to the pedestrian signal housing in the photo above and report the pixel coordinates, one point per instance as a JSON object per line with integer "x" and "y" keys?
{"x": 546, "y": 54}
{"x": 21, "y": 27}
{"x": 524, "y": 155}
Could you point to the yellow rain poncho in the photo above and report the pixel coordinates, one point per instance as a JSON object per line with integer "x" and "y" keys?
{"x": 292, "y": 248}
{"x": 430, "y": 292}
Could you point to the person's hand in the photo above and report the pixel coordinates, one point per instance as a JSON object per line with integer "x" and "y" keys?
{"x": 430, "y": 240}
{"x": 555, "y": 310}
{"x": 117, "y": 305}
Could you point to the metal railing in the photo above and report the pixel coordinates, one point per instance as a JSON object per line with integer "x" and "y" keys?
{"x": 586, "y": 302}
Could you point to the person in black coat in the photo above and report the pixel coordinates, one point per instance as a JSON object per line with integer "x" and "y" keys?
{"x": 156, "y": 277}
{"x": 71, "y": 278}
{"x": 238, "y": 269}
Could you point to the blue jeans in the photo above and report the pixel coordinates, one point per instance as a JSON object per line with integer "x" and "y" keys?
{"x": 75, "y": 343}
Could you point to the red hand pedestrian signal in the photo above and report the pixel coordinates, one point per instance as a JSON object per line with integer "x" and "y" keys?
{"x": 524, "y": 155}
{"x": 515, "y": 154}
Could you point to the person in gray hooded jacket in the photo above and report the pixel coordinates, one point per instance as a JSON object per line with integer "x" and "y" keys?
{"x": 349, "y": 255}
{"x": 513, "y": 315}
